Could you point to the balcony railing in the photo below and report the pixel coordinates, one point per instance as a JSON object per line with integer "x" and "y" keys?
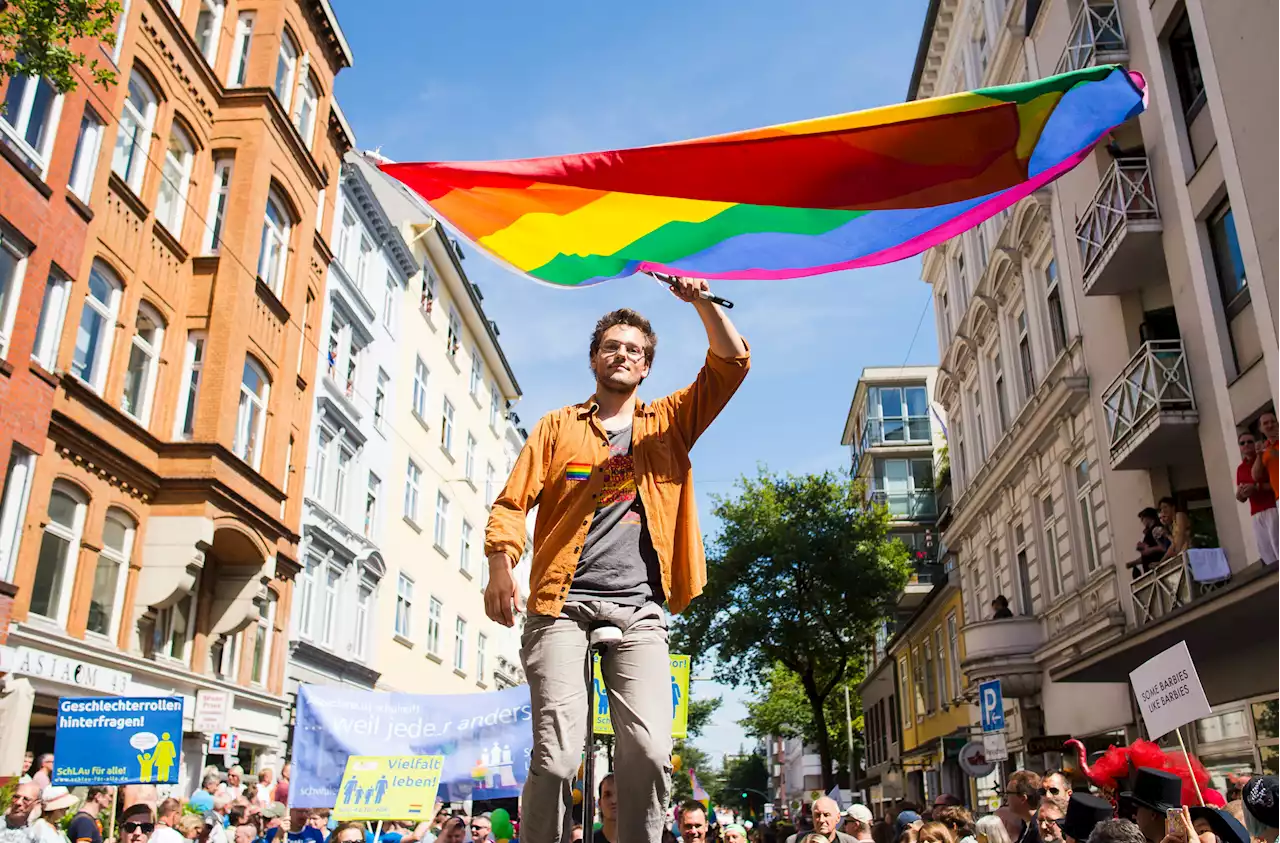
{"x": 891, "y": 433}
{"x": 1154, "y": 383}
{"x": 908, "y": 505}
{"x": 1097, "y": 37}
{"x": 1167, "y": 587}
{"x": 1126, "y": 194}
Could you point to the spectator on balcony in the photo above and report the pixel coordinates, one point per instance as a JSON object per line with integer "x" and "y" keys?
{"x": 1000, "y": 608}
{"x": 1154, "y": 544}
{"x": 1266, "y": 466}
{"x": 1177, "y": 526}
{"x": 1262, "y": 501}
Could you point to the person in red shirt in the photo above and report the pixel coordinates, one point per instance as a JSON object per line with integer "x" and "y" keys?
{"x": 1262, "y": 501}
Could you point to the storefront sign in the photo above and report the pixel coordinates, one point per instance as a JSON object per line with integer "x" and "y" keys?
{"x": 117, "y": 740}
{"x": 211, "y": 711}
{"x": 996, "y": 746}
{"x": 1046, "y": 743}
{"x": 389, "y": 788}
{"x": 974, "y": 762}
{"x": 25, "y": 661}
{"x": 1169, "y": 691}
{"x": 224, "y": 743}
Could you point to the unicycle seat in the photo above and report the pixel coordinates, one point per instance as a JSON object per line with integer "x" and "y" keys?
{"x": 604, "y": 635}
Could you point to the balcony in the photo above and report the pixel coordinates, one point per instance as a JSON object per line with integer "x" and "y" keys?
{"x": 1005, "y": 650}
{"x": 1173, "y": 584}
{"x": 920, "y": 505}
{"x": 925, "y": 576}
{"x": 1119, "y": 235}
{"x": 1150, "y": 409}
{"x": 1097, "y": 37}
{"x": 910, "y": 432}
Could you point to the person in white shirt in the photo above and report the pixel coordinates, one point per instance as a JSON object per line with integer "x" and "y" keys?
{"x": 167, "y": 816}
{"x": 265, "y": 792}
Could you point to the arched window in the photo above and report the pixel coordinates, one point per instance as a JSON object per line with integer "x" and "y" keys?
{"x": 275, "y": 244}
{"x": 139, "y": 115}
{"x": 106, "y": 602}
{"x": 29, "y": 118}
{"x": 144, "y": 356}
{"x": 172, "y": 201}
{"x": 286, "y": 69}
{"x": 304, "y": 117}
{"x": 56, "y": 565}
{"x": 97, "y": 326}
{"x": 252, "y": 416}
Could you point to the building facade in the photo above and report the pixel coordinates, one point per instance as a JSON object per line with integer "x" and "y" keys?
{"x": 159, "y": 547}
{"x": 453, "y": 449}
{"x": 1102, "y": 342}
{"x": 350, "y": 466}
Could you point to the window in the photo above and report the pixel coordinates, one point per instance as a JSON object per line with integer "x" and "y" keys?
{"x": 482, "y": 642}
{"x": 321, "y": 478}
{"x": 464, "y": 548}
{"x": 340, "y": 481}
{"x": 906, "y": 486}
{"x": 957, "y": 455}
{"x": 1227, "y": 259}
{"x": 389, "y": 304}
{"x": 275, "y": 245}
{"x": 307, "y": 306}
{"x": 13, "y": 265}
{"x": 53, "y": 312}
{"x": 404, "y": 606}
{"x": 412, "y": 481}
{"x": 335, "y": 342}
{"x": 930, "y": 689}
{"x": 1028, "y": 371}
{"x": 329, "y": 608}
{"x": 85, "y": 163}
{"x": 1022, "y": 570}
{"x": 364, "y": 260}
{"x": 121, "y": 20}
{"x": 174, "y": 628}
{"x": 288, "y": 475}
{"x": 941, "y": 682}
{"x": 345, "y": 238}
{"x": 953, "y": 648}
{"x": 59, "y": 550}
{"x": 1186, "y": 68}
{"x": 944, "y": 315}
{"x": 13, "y": 507}
{"x": 306, "y": 599}
{"x": 97, "y": 327}
{"x": 446, "y": 427}
{"x": 261, "y": 663}
{"x": 983, "y": 54}
{"x": 897, "y": 414}
{"x": 286, "y": 67}
{"x": 459, "y": 644}
{"x": 477, "y": 373}
{"x": 217, "y": 212}
{"x": 29, "y": 119}
{"x": 360, "y": 635}
{"x": 252, "y": 414}
{"x": 371, "y": 505}
{"x": 420, "y": 388}
{"x": 304, "y": 119}
{"x": 175, "y": 178}
{"x": 224, "y": 657}
{"x": 442, "y": 520}
{"x": 140, "y": 377}
{"x": 320, "y": 200}
{"x": 209, "y": 28}
{"x": 239, "y": 67}
{"x": 435, "y": 616}
{"x": 380, "y": 400}
{"x": 129, "y": 161}
{"x": 454, "y": 339}
{"x": 978, "y": 429}
{"x": 192, "y": 367}
{"x": 495, "y": 400}
{"x": 489, "y": 480}
{"x": 1088, "y": 525}
{"x": 1052, "y": 574}
{"x": 904, "y": 693}
{"x": 1002, "y": 402}
{"x": 469, "y": 461}
{"x": 1053, "y": 300}
{"x": 353, "y": 364}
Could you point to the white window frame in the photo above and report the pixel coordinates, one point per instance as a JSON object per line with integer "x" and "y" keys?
{"x": 446, "y": 426}
{"x": 150, "y": 353}
{"x": 380, "y": 400}
{"x": 1026, "y": 359}
{"x": 266, "y": 624}
{"x": 435, "y": 616}
{"x": 412, "y": 490}
{"x": 421, "y": 375}
{"x": 454, "y": 339}
{"x": 88, "y": 148}
{"x": 275, "y": 238}
{"x": 1088, "y": 519}
{"x": 482, "y": 642}
{"x": 490, "y": 483}
{"x": 403, "y": 620}
{"x": 495, "y": 400}
{"x": 215, "y": 9}
{"x": 953, "y": 649}
{"x": 477, "y": 373}
{"x": 12, "y": 289}
{"x": 324, "y": 440}
{"x": 469, "y": 460}
{"x": 440, "y": 530}
{"x": 238, "y": 68}
{"x": 189, "y": 390}
{"x": 330, "y": 603}
{"x": 122, "y": 21}
{"x": 100, "y": 359}
{"x": 341, "y": 473}
{"x": 16, "y": 122}
{"x": 389, "y": 298}
{"x": 219, "y": 195}
{"x": 1049, "y": 535}
{"x": 15, "y": 493}
{"x": 248, "y": 399}
{"x": 308, "y": 106}
{"x": 360, "y": 623}
{"x": 460, "y": 644}
{"x": 464, "y": 548}
{"x": 70, "y": 561}
{"x": 128, "y": 160}
{"x": 165, "y": 618}
{"x": 306, "y": 605}
{"x": 372, "y": 499}
{"x": 53, "y": 315}
{"x": 286, "y": 70}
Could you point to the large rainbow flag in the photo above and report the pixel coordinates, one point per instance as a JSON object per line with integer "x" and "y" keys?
{"x": 787, "y": 201}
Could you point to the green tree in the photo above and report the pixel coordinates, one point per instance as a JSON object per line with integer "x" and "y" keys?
{"x": 745, "y": 784}
{"x": 37, "y": 37}
{"x": 692, "y": 758}
{"x": 801, "y": 574}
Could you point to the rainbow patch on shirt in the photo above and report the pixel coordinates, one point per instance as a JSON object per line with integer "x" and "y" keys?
{"x": 578, "y": 471}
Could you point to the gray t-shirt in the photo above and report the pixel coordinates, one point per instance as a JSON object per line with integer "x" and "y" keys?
{"x": 618, "y": 563}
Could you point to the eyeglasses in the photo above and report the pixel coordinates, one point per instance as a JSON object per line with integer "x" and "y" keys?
{"x": 632, "y": 352}
{"x": 145, "y": 828}
{"x": 1046, "y": 791}
{"x": 18, "y": 797}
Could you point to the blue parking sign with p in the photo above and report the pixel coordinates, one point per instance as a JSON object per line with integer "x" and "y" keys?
{"x": 991, "y": 706}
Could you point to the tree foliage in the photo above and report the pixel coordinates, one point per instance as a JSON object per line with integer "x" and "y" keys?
{"x": 745, "y": 784}
{"x": 38, "y": 38}
{"x": 692, "y": 758}
{"x": 800, "y": 575}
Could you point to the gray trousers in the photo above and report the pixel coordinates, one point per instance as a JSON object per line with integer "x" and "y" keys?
{"x": 637, "y": 675}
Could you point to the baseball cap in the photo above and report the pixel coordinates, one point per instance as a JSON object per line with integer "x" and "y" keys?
{"x": 861, "y": 813}
{"x": 1260, "y": 799}
{"x": 906, "y": 818}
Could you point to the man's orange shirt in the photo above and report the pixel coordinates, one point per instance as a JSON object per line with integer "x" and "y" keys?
{"x": 558, "y": 471}
{"x": 1272, "y": 461}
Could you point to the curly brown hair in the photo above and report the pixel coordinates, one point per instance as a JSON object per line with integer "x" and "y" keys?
{"x": 625, "y": 316}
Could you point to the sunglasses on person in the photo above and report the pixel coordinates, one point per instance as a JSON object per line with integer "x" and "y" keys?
{"x": 145, "y": 828}
{"x": 1050, "y": 791}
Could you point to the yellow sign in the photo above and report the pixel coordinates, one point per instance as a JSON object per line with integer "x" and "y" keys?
{"x": 679, "y": 699}
{"x": 393, "y": 787}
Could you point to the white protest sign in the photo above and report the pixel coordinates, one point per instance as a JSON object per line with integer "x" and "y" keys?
{"x": 1169, "y": 691}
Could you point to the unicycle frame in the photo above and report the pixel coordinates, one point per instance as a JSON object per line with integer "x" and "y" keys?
{"x": 600, "y": 636}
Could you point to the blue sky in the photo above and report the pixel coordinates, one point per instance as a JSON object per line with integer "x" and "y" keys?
{"x": 441, "y": 81}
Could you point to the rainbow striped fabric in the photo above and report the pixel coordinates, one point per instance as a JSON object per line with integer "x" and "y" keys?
{"x": 578, "y": 471}
{"x": 799, "y": 199}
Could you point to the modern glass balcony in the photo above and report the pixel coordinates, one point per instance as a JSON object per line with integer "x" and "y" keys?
{"x": 1150, "y": 408}
{"x": 1097, "y": 37}
{"x": 917, "y": 505}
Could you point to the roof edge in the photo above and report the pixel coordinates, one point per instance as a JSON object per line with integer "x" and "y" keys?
{"x": 922, "y": 51}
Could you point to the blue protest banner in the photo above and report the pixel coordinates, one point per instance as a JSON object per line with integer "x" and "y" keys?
{"x": 117, "y": 740}
{"x": 486, "y": 739}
